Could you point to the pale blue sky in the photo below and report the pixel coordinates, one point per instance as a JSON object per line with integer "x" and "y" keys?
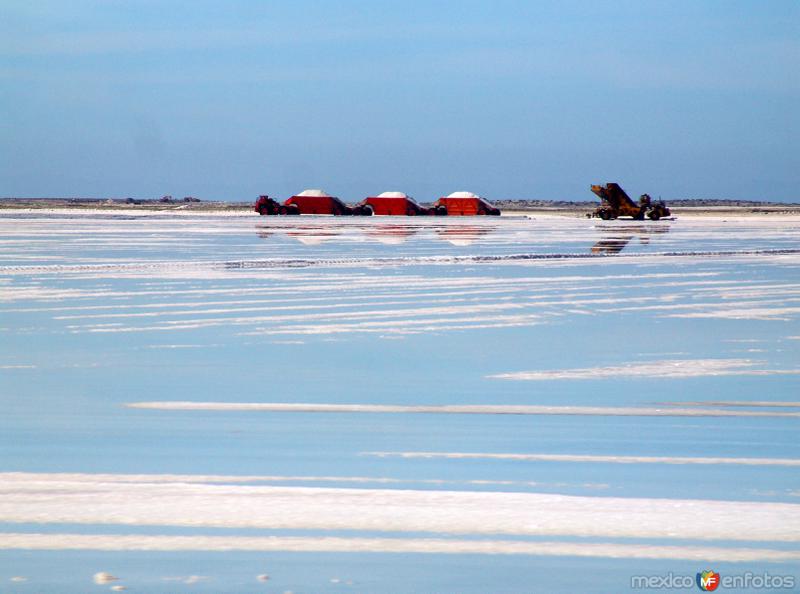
{"x": 511, "y": 99}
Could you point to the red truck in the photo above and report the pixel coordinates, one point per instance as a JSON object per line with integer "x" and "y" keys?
{"x": 306, "y": 202}
{"x": 391, "y": 203}
{"x": 464, "y": 204}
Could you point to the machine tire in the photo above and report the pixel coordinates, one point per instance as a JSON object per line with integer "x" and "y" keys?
{"x": 441, "y": 211}
{"x": 367, "y": 210}
{"x": 605, "y": 215}
{"x": 655, "y": 215}
{"x": 283, "y": 209}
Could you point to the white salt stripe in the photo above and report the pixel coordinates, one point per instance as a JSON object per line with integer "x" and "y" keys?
{"x": 710, "y": 305}
{"x": 325, "y": 300}
{"x": 749, "y": 287}
{"x": 296, "y": 307}
{"x": 325, "y": 283}
{"x": 481, "y": 409}
{"x": 352, "y": 301}
{"x": 180, "y": 268}
{"x": 400, "y": 325}
{"x": 408, "y": 325}
{"x": 670, "y": 368}
{"x": 141, "y": 542}
{"x": 393, "y": 510}
{"x": 592, "y": 458}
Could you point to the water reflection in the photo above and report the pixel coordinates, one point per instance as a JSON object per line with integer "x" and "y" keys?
{"x": 305, "y": 234}
{"x": 387, "y": 234}
{"x": 463, "y": 235}
{"x": 619, "y": 238}
{"x": 392, "y": 234}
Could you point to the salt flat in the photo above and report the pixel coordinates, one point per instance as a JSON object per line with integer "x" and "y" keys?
{"x": 215, "y": 395}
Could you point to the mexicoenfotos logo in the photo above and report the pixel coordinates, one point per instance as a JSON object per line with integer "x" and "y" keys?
{"x": 708, "y": 581}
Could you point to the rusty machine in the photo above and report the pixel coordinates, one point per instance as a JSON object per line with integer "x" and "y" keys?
{"x": 615, "y": 203}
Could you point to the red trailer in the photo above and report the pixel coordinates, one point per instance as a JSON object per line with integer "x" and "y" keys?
{"x": 464, "y": 204}
{"x": 391, "y": 203}
{"x": 317, "y": 202}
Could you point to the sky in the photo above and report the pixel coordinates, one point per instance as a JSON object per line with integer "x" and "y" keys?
{"x": 510, "y": 99}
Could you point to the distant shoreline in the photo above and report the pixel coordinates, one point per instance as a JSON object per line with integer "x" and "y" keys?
{"x": 553, "y": 207}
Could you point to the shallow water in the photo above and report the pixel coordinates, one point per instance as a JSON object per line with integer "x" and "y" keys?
{"x": 100, "y": 312}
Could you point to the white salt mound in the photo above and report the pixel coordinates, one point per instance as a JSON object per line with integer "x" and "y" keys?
{"x": 310, "y": 192}
{"x": 392, "y": 195}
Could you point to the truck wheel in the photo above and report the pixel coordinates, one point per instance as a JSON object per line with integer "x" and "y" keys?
{"x": 441, "y": 211}
{"x": 604, "y": 214}
{"x": 283, "y": 210}
{"x": 367, "y": 210}
{"x": 655, "y": 215}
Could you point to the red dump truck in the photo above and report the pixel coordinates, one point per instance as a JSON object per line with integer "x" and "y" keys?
{"x": 306, "y": 202}
{"x": 464, "y": 204}
{"x": 392, "y": 204}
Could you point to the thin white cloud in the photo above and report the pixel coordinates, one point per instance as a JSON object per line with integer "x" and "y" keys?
{"x": 748, "y": 403}
{"x": 186, "y": 579}
{"x": 593, "y": 458}
{"x": 670, "y": 368}
{"x": 251, "y": 479}
{"x": 756, "y": 313}
{"x": 29, "y": 500}
{"x": 125, "y": 542}
{"x": 479, "y": 409}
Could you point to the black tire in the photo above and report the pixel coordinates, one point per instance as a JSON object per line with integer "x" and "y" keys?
{"x": 655, "y": 215}
{"x": 441, "y": 211}
{"x": 367, "y": 210}
{"x": 283, "y": 210}
{"x": 604, "y": 214}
